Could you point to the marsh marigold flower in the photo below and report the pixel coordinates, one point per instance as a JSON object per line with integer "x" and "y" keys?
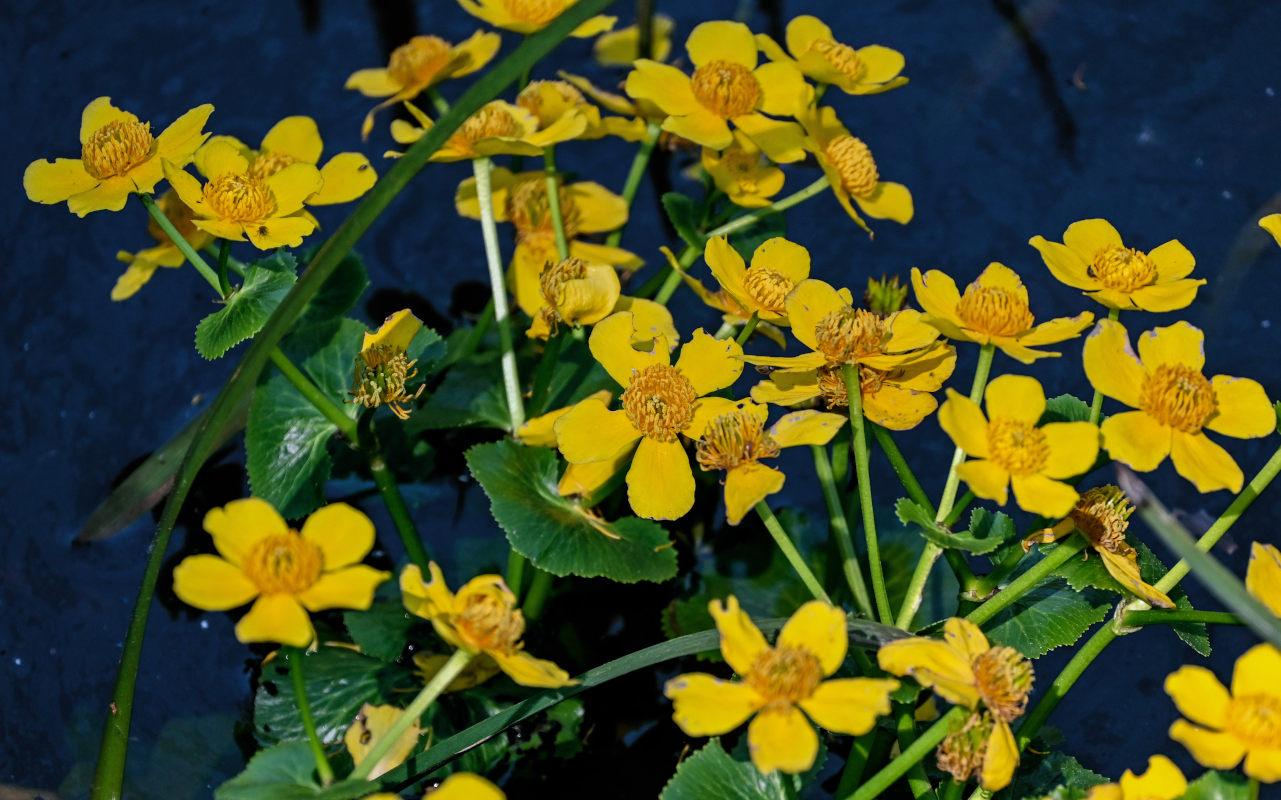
{"x": 661, "y": 402}
{"x": 816, "y": 53}
{"x": 481, "y": 618}
{"x": 1007, "y": 448}
{"x": 552, "y": 100}
{"x": 1161, "y": 781}
{"x": 621, "y": 48}
{"x": 1225, "y": 727}
{"x": 783, "y": 686}
{"x": 743, "y": 173}
{"x": 118, "y": 156}
{"x": 993, "y": 310}
{"x": 529, "y": 16}
{"x": 966, "y": 670}
{"x": 727, "y": 86}
{"x": 1263, "y": 576}
{"x": 498, "y": 128}
{"x": 852, "y": 172}
{"x": 574, "y": 292}
{"x": 284, "y": 572}
{"x": 577, "y": 479}
{"x": 371, "y": 724}
{"x": 143, "y": 264}
{"x": 762, "y": 288}
{"x": 1093, "y": 257}
{"x": 383, "y": 367}
{"x": 1176, "y": 403}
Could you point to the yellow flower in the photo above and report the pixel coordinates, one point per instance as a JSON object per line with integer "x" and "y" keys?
{"x": 1263, "y": 576}
{"x": 296, "y": 140}
{"x": 236, "y": 203}
{"x": 419, "y": 64}
{"x": 1226, "y": 727}
{"x": 165, "y": 254}
{"x": 1162, "y": 781}
{"x": 847, "y": 161}
{"x": 1102, "y": 516}
{"x": 285, "y": 573}
{"x": 371, "y": 724}
{"x": 574, "y": 292}
{"x": 736, "y": 442}
{"x": 817, "y": 54}
{"x": 993, "y": 310}
{"x": 742, "y": 172}
{"x": 478, "y": 670}
{"x": 1272, "y": 224}
{"x": 727, "y": 86}
{"x": 617, "y": 103}
{"x": 118, "y": 156}
{"x": 622, "y": 47}
{"x": 1093, "y": 257}
{"x": 550, "y": 101}
{"x": 1176, "y": 403}
{"x": 528, "y": 16}
{"x": 660, "y": 403}
{"x": 522, "y": 199}
{"x": 964, "y": 669}
{"x": 777, "y": 267}
{"x": 459, "y": 786}
{"x": 383, "y": 367}
{"x": 781, "y": 685}
{"x": 481, "y": 618}
{"x": 498, "y": 128}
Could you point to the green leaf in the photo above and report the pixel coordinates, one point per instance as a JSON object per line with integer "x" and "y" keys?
{"x": 686, "y": 615}
{"x": 339, "y": 294}
{"x": 1050, "y": 615}
{"x": 987, "y": 531}
{"x": 338, "y": 681}
{"x": 249, "y": 307}
{"x": 382, "y": 630}
{"x": 713, "y": 773}
{"x": 1070, "y": 780}
{"x": 684, "y": 216}
{"x": 1065, "y": 408}
{"x": 470, "y": 394}
{"x": 1215, "y": 785}
{"x": 556, "y": 534}
{"x": 284, "y": 772}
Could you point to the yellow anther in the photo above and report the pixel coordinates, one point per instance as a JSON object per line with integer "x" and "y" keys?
{"x": 726, "y": 89}
{"x": 785, "y": 675}
{"x": 1122, "y": 268}
{"x": 1178, "y": 396}
{"x": 269, "y": 163}
{"x": 848, "y": 334}
{"x": 117, "y": 147}
{"x": 283, "y": 563}
{"x": 1004, "y": 679}
{"x": 768, "y": 288}
{"x": 240, "y": 197}
{"x": 853, "y": 160}
{"x": 994, "y": 311}
{"x": 735, "y": 438}
{"x": 842, "y": 58}
{"x": 1018, "y": 447}
{"x": 419, "y": 60}
{"x": 659, "y": 401}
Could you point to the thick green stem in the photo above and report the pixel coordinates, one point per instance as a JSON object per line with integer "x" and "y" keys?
{"x": 552, "y": 178}
{"x": 790, "y": 552}
{"x": 1063, "y": 682}
{"x": 389, "y": 490}
{"x": 862, "y": 473}
{"x": 516, "y": 564}
{"x": 635, "y": 175}
{"x": 841, "y": 531}
{"x": 748, "y": 327}
{"x": 673, "y": 278}
{"x": 224, "y": 251}
{"x": 321, "y": 401}
{"x": 747, "y": 220}
{"x": 1175, "y": 616}
{"x": 182, "y": 244}
{"x": 917, "y": 781}
{"x": 437, "y": 101}
{"x": 910, "y": 756}
{"x": 1096, "y": 403}
{"x": 1020, "y": 586}
{"x": 326, "y": 772}
{"x": 489, "y": 230}
{"x": 546, "y": 369}
{"x": 539, "y": 587}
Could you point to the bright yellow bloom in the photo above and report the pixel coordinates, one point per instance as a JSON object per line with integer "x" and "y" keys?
{"x": 550, "y": 101}
{"x": 621, "y": 48}
{"x": 498, "y": 128}
{"x": 777, "y": 267}
{"x": 1272, "y": 224}
{"x": 1162, "y": 781}
{"x": 847, "y": 161}
{"x": 617, "y": 103}
{"x": 459, "y": 786}
{"x": 578, "y": 479}
{"x": 964, "y": 669}
{"x": 419, "y": 64}
{"x": 481, "y": 618}
{"x": 1226, "y": 727}
{"x": 1176, "y": 403}
{"x": 371, "y": 724}
{"x": 529, "y": 16}
{"x": 574, "y": 292}
{"x": 118, "y": 156}
{"x": 1011, "y": 450}
{"x": 817, "y": 54}
{"x": 296, "y": 140}
{"x": 993, "y": 310}
{"x": 1263, "y": 576}
{"x": 383, "y": 367}
{"x": 165, "y": 254}
{"x": 285, "y": 573}
{"x": 727, "y": 86}
{"x": 736, "y": 442}
{"x": 778, "y": 684}
{"x": 1093, "y": 257}
{"x": 743, "y": 173}
{"x": 1102, "y": 516}
{"x": 732, "y": 311}
{"x": 660, "y": 403}
{"x": 521, "y": 199}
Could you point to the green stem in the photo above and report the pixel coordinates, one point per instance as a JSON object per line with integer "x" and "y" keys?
{"x": 516, "y": 572}
{"x": 1020, "y": 585}
{"x": 1063, "y": 682}
{"x": 841, "y": 530}
{"x": 411, "y": 714}
{"x": 747, "y": 220}
{"x": 645, "y": 28}
{"x": 389, "y": 490}
{"x": 182, "y": 244}
{"x": 235, "y": 265}
{"x": 635, "y": 175}
{"x": 224, "y": 250}
{"x": 917, "y": 781}
{"x": 910, "y": 756}
{"x": 959, "y": 508}
{"x": 1252, "y": 789}
{"x": 860, "y": 753}
{"x": 952, "y": 790}
{"x": 673, "y": 278}
{"x": 862, "y": 473}
{"x": 539, "y": 587}
{"x": 321, "y": 401}
{"x": 552, "y": 178}
{"x": 988, "y": 583}
{"x": 790, "y": 552}
{"x": 1096, "y": 403}
{"x": 748, "y": 327}
{"x": 326, "y": 772}
{"x": 544, "y": 372}
{"x": 489, "y": 230}
{"x": 1175, "y": 616}
{"x": 438, "y": 102}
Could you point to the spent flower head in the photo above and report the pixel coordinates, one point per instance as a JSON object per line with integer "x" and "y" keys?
{"x": 851, "y": 171}
{"x": 383, "y": 367}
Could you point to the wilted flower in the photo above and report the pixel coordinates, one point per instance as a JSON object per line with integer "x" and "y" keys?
{"x": 383, "y": 367}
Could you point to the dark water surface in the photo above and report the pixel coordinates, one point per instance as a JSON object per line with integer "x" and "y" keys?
{"x": 1020, "y": 118}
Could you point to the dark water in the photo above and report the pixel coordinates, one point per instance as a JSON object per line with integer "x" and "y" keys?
{"x": 1170, "y": 130}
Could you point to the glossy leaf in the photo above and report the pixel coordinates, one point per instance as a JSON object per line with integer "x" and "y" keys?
{"x": 711, "y": 772}
{"x": 338, "y": 682}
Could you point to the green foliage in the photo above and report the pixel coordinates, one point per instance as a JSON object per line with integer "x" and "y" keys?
{"x": 987, "y": 532}
{"x": 713, "y": 773}
{"x": 338, "y": 681}
{"x": 339, "y": 294}
{"x": 1070, "y": 780}
{"x": 286, "y": 772}
{"x": 471, "y": 394}
{"x": 243, "y": 314}
{"x": 684, "y": 216}
{"x": 382, "y": 630}
{"x": 1216, "y": 785}
{"x": 1065, "y": 408}
{"x": 1048, "y": 616}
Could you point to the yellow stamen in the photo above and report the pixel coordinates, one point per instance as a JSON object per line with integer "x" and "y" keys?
{"x": 1122, "y": 268}
{"x": 531, "y": 97}
{"x": 847, "y": 334}
{"x": 1017, "y": 446}
{"x": 1004, "y": 680}
{"x": 994, "y": 311}
{"x": 240, "y": 197}
{"x": 381, "y": 374}
{"x": 1178, "y": 396}
{"x": 733, "y": 439}
{"x": 784, "y": 675}
{"x": 768, "y": 288}
{"x": 488, "y": 623}
{"x": 529, "y": 210}
{"x": 1103, "y": 514}
{"x": 842, "y": 58}
{"x": 283, "y": 563}
{"x": 726, "y": 89}
{"x": 961, "y": 752}
{"x": 116, "y": 148}
{"x": 1256, "y": 719}
{"x": 853, "y": 160}
{"x": 268, "y": 163}
{"x": 551, "y": 281}
{"x": 831, "y": 383}
{"x": 419, "y": 60}
{"x": 490, "y": 122}
{"x": 659, "y": 401}
{"x": 744, "y": 166}
{"x": 538, "y": 12}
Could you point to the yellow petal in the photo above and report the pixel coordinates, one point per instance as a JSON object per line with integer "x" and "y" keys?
{"x": 269, "y": 234}
{"x": 292, "y": 186}
{"x": 1179, "y": 343}
{"x": 782, "y": 739}
{"x": 703, "y": 705}
{"x": 1162, "y": 781}
{"x": 276, "y": 618}
{"x": 963, "y": 420}
{"x": 599, "y": 208}
{"x": 1073, "y": 448}
{"x": 701, "y": 127}
{"x": 588, "y": 478}
{"x": 1210, "y": 748}
{"x": 56, "y": 181}
{"x": 526, "y": 670}
{"x": 849, "y": 705}
{"x": 1064, "y": 264}
{"x": 707, "y": 409}
{"x": 1272, "y": 224}
{"x": 1000, "y": 758}
{"x": 239, "y": 525}
{"x": 134, "y": 277}
{"x": 186, "y": 187}
{"x": 937, "y": 295}
{"x": 782, "y": 141}
{"x": 660, "y": 483}
{"x": 593, "y": 26}
{"x": 1017, "y": 397}
{"x": 1111, "y": 365}
{"x": 466, "y": 786}
{"x": 882, "y": 65}
{"x": 908, "y": 331}
{"x": 1203, "y": 462}
{"x": 741, "y": 641}
{"x": 806, "y": 427}
{"x": 210, "y": 583}
{"x": 590, "y": 432}
{"x": 1160, "y": 297}
{"x": 1173, "y": 261}
{"x": 1042, "y": 495}
{"x": 889, "y": 200}
{"x": 1199, "y": 695}
{"x": 1263, "y": 764}
{"x": 986, "y": 479}
{"x": 965, "y": 637}
{"x": 371, "y": 725}
{"x": 376, "y": 82}
{"x": 110, "y": 195}
{"x": 665, "y": 86}
{"x": 1256, "y": 673}
{"x": 897, "y": 407}
{"x": 611, "y": 344}
{"x": 1126, "y": 572}
{"x": 344, "y": 534}
{"x": 804, "y": 30}
{"x": 397, "y": 331}
{"x": 233, "y": 231}
{"x": 604, "y": 254}
{"x": 932, "y": 664}
{"x": 788, "y": 259}
{"x": 589, "y": 299}
{"x": 295, "y": 136}
{"x": 347, "y": 587}
{"x": 820, "y": 629}
{"x": 1089, "y": 236}
{"x": 1056, "y": 330}
{"x": 422, "y": 598}
{"x": 710, "y": 364}
{"x": 1263, "y": 576}
{"x": 98, "y": 113}
{"x": 727, "y": 266}
{"x": 1241, "y": 408}
{"x": 722, "y": 41}
{"x": 345, "y": 177}
{"x": 783, "y": 89}
{"x": 746, "y": 485}
{"x": 998, "y": 276}
{"x": 807, "y": 304}
{"x": 650, "y": 320}
{"x": 220, "y": 157}
{"x": 1136, "y": 439}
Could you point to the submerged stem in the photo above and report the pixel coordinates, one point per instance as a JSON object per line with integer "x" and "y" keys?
{"x": 489, "y": 231}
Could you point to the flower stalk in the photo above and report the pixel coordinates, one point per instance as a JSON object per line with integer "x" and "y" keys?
{"x": 790, "y": 552}
{"x": 552, "y": 179}
{"x": 489, "y": 231}
{"x": 841, "y": 530}
{"x": 193, "y": 258}
{"x": 1096, "y": 402}
{"x": 326, "y": 772}
{"x": 909, "y": 757}
{"x": 854, "y": 391}
{"x": 637, "y": 172}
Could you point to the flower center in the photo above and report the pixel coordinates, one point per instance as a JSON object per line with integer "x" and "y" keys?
{"x": 768, "y": 288}
{"x": 488, "y": 623}
{"x": 1122, "y": 268}
{"x": 1256, "y": 719}
{"x": 116, "y": 148}
{"x": 381, "y": 374}
{"x": 735, "y": 438}
{"x": 660, "y": 402}
{"x": 532, "y": 99}
{"x": 490, "y": 122}
{"x": 1103, "y": 514}
{"x": 538, "y": 12}
{"x": 529, "y": 209}
{"x": 831, "y": 383}
{"x": 283, "y": 563}
{"x": 847, "y": 334}
{"x": 962, "y": 750}
{"x": 994, "y": 311}
{"x": 785, "y": 675}
{"x": 842, "y": 58}
{"x": 177, "y": 212}
{"x": 1178, "y": 396}
{"x": 419, "y": 60}
{"x": 240, "y": 197}
{"x": 1004, "y": 679}
{"x": 853, "y": 160}
{"x": 726, "y": 89}
{"x": 268, "y": 163}
{"x": 743, "y": 166}
{"x": 554, "y": 276}
{"x": 1016, "y": 446}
